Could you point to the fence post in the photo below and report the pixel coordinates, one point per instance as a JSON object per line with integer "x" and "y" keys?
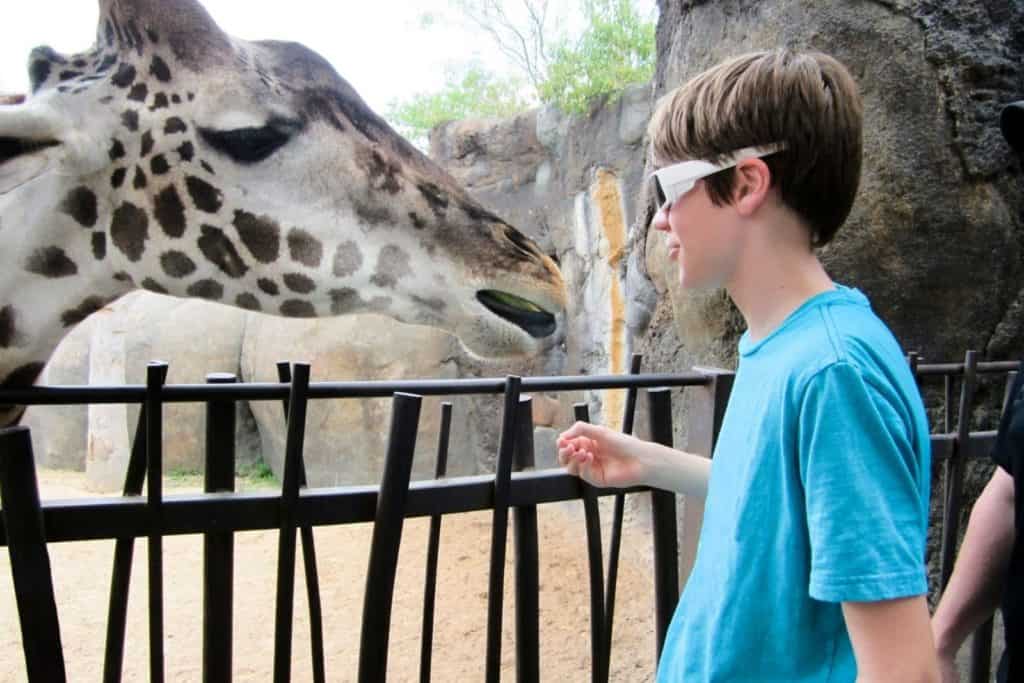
{"x": 433, "y": 548}
{"x": 703, "y": 422}
{"x": 30, "y": 563}
{"x": 595, "y": 566}
{"x": 499, "y": 529}
{"x": 955, "y": 466}
{"x": 663, "y": 522}
{"x": 387, "y": 537}
{"x": 156, "y": 375}
{"x": 526, "y": 557}
{"x": 294, "y": 443}
{"x": 218, "y": 548}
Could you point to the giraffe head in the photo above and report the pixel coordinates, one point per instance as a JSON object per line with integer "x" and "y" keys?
{"x": 176, "y": 158}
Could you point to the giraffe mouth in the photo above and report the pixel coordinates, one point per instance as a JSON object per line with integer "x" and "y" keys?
{"x": 528, "y": 316}
{"x": 12, "y": 148}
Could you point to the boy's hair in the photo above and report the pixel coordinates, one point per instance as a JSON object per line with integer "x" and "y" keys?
{"x": 807, "y": 100}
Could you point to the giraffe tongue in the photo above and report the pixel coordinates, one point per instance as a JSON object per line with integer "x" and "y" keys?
{"x": 21, "y": 161}
{"x": 11, "y": 99}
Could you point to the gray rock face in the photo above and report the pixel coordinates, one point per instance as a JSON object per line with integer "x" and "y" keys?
{"x": 935, "y": 235}
{"x": 934, "y": 238}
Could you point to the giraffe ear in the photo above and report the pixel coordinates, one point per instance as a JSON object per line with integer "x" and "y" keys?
{"x": 185, "y": 25}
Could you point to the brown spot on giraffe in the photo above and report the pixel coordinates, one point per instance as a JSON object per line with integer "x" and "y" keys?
{"x": 129, "y": 229}
{"x": 124, "y": 76}
{"x": 116, "y": 150}
{"x": 248, "y": 302}
{"x": 51, "y": 262}
{"x": 99, "y": 245}
{"x": 298, "y": 283}
{"x": 347, "y": 259}
{"x": 23, "y": 376}
{"x": 304, "y": 248}
{"x": 220, "y": 251}
{"x": 138, "y": 93}
{"x": 205, "y": 196}
{"x": 130, "y": 119}
{"x": 268, "y": 286}
{"x": 261, "y": 235}
{"x": 382, "y": 173}
{"x": 151, "y": 285}
{"x": 159, "y": 69}
{"x": 170, "y": 212}
{"x": 88, "y": 306}
{"x": 9, "y": 336}
{"x": 298, "y": 308}
{"x": 207, "y": 289}
{"x": 117, "y": 178}
{"x": 80, "y": 204}
{"x": 177, "y": 264}
{"x": 147, "y": 144}
{"x": 393, "y": 263}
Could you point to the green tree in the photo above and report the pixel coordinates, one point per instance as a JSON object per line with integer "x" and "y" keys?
{"x": 615, "y": 50}
{"x": 467, "y": 93}
{"x": 612, "y": 48}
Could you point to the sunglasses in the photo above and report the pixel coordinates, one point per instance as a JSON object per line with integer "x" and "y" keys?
{"x": 672, "y": 182}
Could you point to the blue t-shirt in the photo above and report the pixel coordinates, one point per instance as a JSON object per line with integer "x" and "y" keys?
{"x": 818, "y": 495}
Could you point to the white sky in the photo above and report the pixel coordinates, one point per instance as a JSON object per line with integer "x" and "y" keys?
{"x": 377, "y": 45}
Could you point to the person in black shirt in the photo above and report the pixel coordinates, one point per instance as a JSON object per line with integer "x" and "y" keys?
{"x": 990, "y": 566}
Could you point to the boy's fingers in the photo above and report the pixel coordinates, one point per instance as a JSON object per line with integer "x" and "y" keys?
{"x": 581, "y": 429}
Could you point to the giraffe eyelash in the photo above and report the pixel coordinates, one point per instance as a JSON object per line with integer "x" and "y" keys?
{"x": 250, "y": 145}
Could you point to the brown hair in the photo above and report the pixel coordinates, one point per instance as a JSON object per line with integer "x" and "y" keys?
{"x": 806, "y": 100}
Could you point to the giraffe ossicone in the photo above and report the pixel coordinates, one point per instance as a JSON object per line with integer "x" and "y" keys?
{"x": 178, "y": 159}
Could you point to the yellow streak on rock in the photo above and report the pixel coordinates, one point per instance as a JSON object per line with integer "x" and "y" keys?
{"x": 608, "y": 201}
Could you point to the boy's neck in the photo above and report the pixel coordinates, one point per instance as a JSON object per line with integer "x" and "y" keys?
{"x": 778, "y": 273}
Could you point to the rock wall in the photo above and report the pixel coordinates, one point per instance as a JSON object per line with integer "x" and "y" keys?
{"x": 574, "y": 182}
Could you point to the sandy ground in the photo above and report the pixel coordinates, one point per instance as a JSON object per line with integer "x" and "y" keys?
{"x": 82, "y": 575}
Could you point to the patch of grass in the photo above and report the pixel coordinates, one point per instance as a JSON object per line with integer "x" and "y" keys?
{"x": 258, "y": 475}
{"x": 184, "y": 477}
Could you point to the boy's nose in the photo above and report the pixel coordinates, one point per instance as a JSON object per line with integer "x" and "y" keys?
{"x": 660, "y": 221}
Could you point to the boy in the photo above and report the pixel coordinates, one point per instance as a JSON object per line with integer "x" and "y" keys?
{"x": 810, "y": 565}
{"x": 990, "y": 567}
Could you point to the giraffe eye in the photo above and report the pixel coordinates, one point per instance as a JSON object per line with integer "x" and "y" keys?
{"x": 250, "y": 145}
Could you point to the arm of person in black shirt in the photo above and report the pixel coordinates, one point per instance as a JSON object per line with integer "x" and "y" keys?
{"x": 975, "y": 587}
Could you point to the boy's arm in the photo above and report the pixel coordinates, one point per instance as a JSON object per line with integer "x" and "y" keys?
{"x": 606, "y": 457}
{"x": 891, "y": 640}
{"x": 977, "y": 581}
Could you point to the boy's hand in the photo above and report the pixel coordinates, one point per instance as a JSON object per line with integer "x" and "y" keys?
{"x": 601, "y": 456}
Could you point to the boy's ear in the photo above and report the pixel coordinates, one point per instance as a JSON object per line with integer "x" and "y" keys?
{"x": 753, "y": 181}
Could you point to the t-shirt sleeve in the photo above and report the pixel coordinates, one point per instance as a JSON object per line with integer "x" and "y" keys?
{"x": 866, "y": 505}
{"x": 1010, "y": 438}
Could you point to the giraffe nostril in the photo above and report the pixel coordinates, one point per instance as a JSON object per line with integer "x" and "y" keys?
{"x": 522, "y": 243}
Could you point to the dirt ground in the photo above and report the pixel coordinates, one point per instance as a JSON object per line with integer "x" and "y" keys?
{"x": 82, "y": 575}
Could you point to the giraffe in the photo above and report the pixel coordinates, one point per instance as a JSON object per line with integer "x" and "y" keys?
{"x": 175, "y": 158}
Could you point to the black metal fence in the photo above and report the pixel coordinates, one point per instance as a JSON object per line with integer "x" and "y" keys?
{"x": 295, "y": 510}
{"x": 514, "y": 489}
